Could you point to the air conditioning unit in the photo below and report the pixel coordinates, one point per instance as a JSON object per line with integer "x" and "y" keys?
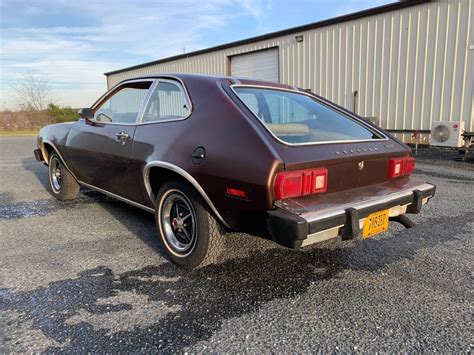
{"x": 447, "y": 134}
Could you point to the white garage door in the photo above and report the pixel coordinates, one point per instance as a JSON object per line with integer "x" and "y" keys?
{"x": 261, "y": 65}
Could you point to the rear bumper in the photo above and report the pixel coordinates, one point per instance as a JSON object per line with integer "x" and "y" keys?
{"x": 304, "y": 221}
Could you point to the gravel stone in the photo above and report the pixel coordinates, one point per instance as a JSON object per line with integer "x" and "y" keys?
{"x": 90, "y": 276}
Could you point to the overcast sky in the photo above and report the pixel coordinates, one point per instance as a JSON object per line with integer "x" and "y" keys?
{"x": 72, "y": 43}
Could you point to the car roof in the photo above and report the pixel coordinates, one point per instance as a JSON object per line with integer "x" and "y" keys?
{"x": 185, "y": 77}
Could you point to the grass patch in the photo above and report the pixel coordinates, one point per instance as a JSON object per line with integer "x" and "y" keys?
{"x": 19, "y": 133}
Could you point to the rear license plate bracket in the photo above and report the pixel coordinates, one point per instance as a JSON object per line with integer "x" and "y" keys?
{"x": 375, "y": 223}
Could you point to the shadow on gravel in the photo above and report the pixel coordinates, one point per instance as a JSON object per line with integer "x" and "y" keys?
{"x": 198, "y": 302}
{"x": 6, "y": 198}
{"x": 205, "y": 298}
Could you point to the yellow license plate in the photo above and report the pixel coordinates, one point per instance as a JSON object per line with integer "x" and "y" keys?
{"x": 375, "y": 223}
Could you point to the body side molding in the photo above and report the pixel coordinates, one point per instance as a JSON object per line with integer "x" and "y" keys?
{"x": 120, "y": 198}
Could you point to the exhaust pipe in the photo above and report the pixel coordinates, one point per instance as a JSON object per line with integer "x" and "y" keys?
{"x": 403, "y": 220}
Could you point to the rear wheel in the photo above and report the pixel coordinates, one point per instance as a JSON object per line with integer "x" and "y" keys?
{"x": 190, "y": 234}
{"x": 63, "y": 185}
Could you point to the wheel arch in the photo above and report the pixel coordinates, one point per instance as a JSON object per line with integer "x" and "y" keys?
{"x": 48, "y": 147}
{"x": 152, "y": 186}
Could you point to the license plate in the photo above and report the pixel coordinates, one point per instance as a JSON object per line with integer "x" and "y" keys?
{"x": 375, "y": 223}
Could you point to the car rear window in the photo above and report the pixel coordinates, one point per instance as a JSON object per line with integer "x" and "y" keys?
{"x": 298, "y": 118}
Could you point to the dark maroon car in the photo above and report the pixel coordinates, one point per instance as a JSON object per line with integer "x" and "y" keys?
{"x": 209, "y": 154}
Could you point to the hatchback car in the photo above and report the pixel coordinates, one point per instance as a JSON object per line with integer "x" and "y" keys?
{"x": 209, "y": 154}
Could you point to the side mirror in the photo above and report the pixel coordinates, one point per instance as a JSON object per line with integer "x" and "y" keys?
{"x": 86, "y": 113}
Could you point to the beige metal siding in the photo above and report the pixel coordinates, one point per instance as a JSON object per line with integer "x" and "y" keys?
{"x": 410, "y": 66}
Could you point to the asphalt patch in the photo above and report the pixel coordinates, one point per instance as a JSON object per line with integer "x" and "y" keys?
{"x": 202, "y": 299}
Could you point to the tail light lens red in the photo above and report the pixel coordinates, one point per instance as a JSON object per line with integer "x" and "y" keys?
{"x": 409, "y": 165}
{"x": 400, "y": 167}
{"x": 237, "y": 193}
{"x": 300, "y": 183}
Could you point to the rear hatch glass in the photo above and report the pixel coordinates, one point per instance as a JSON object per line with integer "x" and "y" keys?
{"x": 297, "y": 118}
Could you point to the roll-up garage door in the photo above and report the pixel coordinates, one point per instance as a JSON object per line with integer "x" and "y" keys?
{"x": 260, "y": 65}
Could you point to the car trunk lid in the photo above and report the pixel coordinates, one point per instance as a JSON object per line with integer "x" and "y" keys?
{"x": 349, "y": 165}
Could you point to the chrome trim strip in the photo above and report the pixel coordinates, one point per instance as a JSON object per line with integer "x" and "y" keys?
{"x": 317, "y": 215}
{"x": 145, "y": 102}
{"x": 59, "y": 154}
{"x": 296, "y": 91}
{"x": 321, "y": 236}
{"x": 161, "y": 121}
{"x": 123, "y": 199}
{"x": 183, "y": 173}
{"x": 94, "y": 122}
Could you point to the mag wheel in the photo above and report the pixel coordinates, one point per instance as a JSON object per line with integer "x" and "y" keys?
{"x": 190, "y": 234}
{"x": 63, "y": 185}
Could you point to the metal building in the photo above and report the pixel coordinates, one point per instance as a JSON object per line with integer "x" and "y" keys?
{"x": 405, "y": 64}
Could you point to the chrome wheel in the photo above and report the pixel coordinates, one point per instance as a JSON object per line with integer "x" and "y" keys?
{"x": 178, "y": 222}
{"x": 56, "y": 174}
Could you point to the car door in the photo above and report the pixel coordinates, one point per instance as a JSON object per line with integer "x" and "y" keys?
{"x": 99, "y": 150}
{"x": 159, "y": 136}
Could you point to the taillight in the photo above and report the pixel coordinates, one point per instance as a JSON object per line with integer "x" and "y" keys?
{"x": 409, "y": 165}
{"x": 230, "y": 191}
{"x": 395, "y": 168}
{"x": 300, "y": 183}
{"x": 400, "y": 167}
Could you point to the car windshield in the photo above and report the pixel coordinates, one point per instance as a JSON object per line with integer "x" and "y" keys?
{"x": 297, "y": 118}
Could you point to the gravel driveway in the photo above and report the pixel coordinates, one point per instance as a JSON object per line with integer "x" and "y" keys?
{"x": 90, "y": 276}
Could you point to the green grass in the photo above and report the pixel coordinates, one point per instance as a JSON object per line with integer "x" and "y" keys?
{"x": 18, "y": 133}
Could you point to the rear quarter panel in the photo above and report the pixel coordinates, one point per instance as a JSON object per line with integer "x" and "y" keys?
{"x": 340, "y": 158}
{"x": 236, "y": 155}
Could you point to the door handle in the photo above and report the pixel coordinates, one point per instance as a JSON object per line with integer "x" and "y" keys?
{"x": 123, "y": 137}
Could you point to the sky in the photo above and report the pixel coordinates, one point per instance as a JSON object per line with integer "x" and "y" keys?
{"x": 71, "y": 44}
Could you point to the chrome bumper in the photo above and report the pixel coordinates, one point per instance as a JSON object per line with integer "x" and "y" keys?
{"x": 308, "y": 220}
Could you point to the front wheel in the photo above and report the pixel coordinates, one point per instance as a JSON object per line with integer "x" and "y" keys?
{"x": 63, "y": 185}
{"x": 190, "y": 234}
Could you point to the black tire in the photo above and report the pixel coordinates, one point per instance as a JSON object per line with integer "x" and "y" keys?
{"x": 206, "y": 239}
{"x": 63, "y": 186}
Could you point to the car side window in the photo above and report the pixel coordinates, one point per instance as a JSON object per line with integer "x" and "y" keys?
{"x": 124, "y": 105}
{"x": 167, "y": 102}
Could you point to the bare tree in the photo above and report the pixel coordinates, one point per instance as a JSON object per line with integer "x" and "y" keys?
{"x": 33, "y": 91}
